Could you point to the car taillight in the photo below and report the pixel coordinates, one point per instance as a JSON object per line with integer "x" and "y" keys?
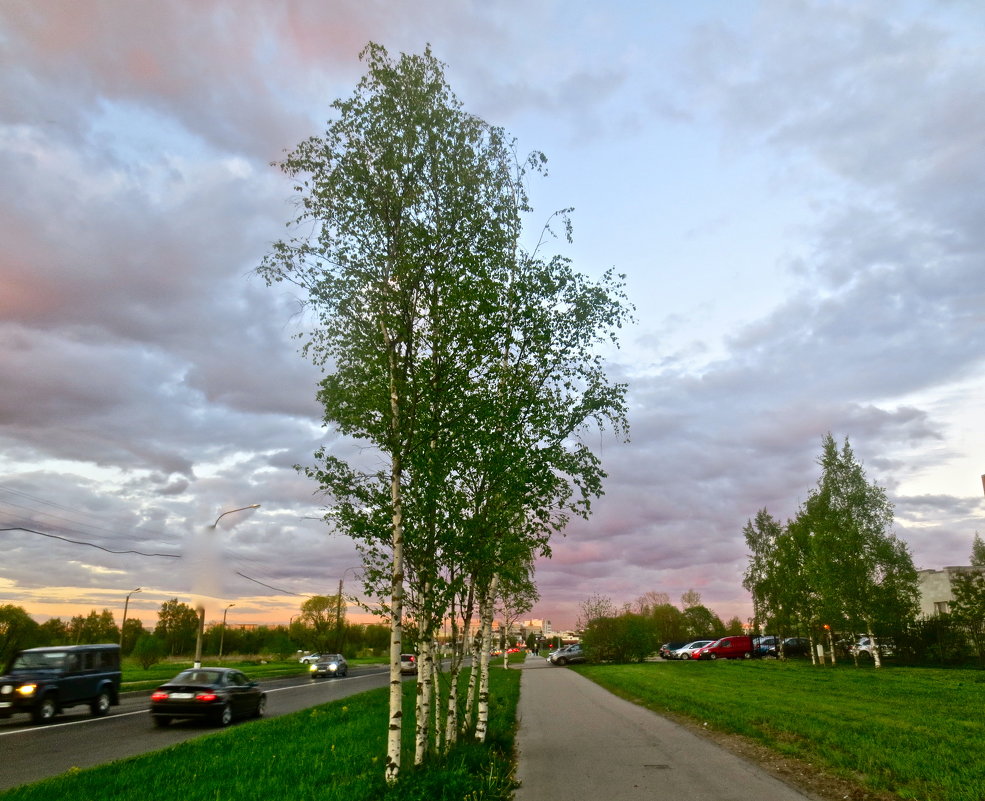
{"x": 206, "y": 697}
{"x": 159, "y": 696}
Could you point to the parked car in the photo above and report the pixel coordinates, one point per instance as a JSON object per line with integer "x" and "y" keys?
{"x": 734, "y": 647}
{"x": 864, "y": 647}
{"x": 41, "y": 682}
{"x": 569, "y": 656}
{"x": 688, "y": 649}
{"x": 791, "y": 647}
{"x": 553, "y": 655}
{"x": 215, "y": 694}
{"x": 408, "y": 663}
{"x": 761, "y": 645}
{"x": 310, "y": 659}
{"x": 667, "y": 649}
{"x": 330, "y": 665}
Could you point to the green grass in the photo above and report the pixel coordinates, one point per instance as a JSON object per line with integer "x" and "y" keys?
{"x": 333, "y": 751}
{"x": 915, "y": 733}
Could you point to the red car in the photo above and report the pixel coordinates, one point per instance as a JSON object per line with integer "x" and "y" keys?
{"x": 736, "y": 647}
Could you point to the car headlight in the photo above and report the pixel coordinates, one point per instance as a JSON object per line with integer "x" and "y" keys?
{"x": 313, "y": 668}
{"x": 27, "y": 689}
{"x": 333, "y": 666}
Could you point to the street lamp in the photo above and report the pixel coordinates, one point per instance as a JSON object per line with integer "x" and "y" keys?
{"x": 201, "y": 609}
{"x": 123, "y": 625}
{"x": 222, "y": 634}
{"x": 338, "y": 612}
{"x": 241, "y": 509}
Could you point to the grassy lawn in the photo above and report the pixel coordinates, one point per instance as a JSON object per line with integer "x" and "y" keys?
{"x": 912, "y": 732}
{"x": 331, "y": 752}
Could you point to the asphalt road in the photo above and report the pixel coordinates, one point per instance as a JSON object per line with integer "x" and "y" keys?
{"x": 29, "y": 753}
{"x": 577, "y": 740}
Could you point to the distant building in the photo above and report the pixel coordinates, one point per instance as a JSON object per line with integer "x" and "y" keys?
{"x": 538, "y": 626}
{"x": 936, "y": 595}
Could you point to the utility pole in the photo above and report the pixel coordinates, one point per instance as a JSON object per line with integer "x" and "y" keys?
{"x": 126, "y": 603}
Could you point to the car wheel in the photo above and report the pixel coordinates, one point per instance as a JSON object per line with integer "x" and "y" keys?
{"x": 261, "y": 707}
{"x": 562, "y": 662}
{"x": 747, "y": 655}
{"x": 224, "y": 716}
{"x": 712, "y": 656}
{"x": 161, "y": 721}
{"x": 45, "y": 711}
{"x": 101, "y": 705}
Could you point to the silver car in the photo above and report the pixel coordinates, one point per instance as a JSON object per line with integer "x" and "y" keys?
{"x": 330, "y": 665}
{"x": 687, "y": 651}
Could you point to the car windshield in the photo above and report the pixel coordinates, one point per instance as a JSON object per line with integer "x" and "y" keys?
{"x": 196, "y": 676}
{"x": 39, "y": 659}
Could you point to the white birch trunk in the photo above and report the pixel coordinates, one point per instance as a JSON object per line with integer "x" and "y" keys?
{"x": 425, "y": 686}
{"x": 469, "y": 716}
{"x": 876, "y": 656}
{"x": 482, "y": 718}
{"x": 396, "y": 602}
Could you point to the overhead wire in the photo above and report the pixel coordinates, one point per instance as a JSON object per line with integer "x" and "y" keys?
{"x": 90, "y": 544}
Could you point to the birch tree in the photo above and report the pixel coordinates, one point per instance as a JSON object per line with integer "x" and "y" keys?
{"x": 466, "y": 362}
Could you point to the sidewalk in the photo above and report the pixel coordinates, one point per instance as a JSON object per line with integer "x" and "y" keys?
{"x": 578, "y": 741}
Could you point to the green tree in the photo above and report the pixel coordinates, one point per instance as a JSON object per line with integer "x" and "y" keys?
{"x": 978, "y": 551}
{"x": 133, "y": 629}
{"x": 323, "y": 614}
{"x": 968, "y": 606}
{"x": 148, "y": 651}
{"x": 866, "y": 577}
{"x": 93, "y": 628}
{"x": 17, "y": 630}
{"x": 700, "y": 621}
{"x": 464, "y": 361}
{"x": 177, "y": 626}
{"x": 669, "y": 622}
{"x": 764, "y": 577}
{"x": 628, "y": 637}
{"x": 54, "y": 631}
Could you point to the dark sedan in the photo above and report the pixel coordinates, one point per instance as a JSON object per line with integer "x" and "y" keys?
{"x": 214, "y": 694}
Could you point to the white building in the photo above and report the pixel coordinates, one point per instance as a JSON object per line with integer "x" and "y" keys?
{"x": 935, "y": 588}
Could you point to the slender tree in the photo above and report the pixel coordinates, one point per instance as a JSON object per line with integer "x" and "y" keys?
{"x": 467, "y": 363}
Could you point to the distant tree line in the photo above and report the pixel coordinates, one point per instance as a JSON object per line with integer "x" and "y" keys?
{"x": 637, "y": 631}
{"x": 321, "y": 626}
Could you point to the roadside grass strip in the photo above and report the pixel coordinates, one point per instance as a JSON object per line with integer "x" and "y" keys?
{"x": 916, "y": 733}
{"x": 331, "y": 752}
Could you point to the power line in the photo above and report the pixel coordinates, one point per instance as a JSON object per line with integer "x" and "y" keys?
{"x": 90, "y": 544}
{"x": 74, "y": 511}
{"x": 276, "y": 589}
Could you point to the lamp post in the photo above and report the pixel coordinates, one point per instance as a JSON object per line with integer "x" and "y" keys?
{"x": 123, "y": 625}
{"x": 241, "y": 509}
{"x": 338, "y": 612}
{"x": 201, "y": 609}
{"x": 222, "y": 634}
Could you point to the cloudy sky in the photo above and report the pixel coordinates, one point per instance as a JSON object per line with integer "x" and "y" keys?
{"x": 792, "y": 187}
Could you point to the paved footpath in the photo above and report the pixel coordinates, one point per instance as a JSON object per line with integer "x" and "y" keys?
{"x": 578, "y": 741}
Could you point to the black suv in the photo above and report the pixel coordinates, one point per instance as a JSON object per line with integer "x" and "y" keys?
{"x": 44, "y": 681}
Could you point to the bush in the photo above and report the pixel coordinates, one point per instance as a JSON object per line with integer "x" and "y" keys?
{"x": 148, "y": 651}
{"x": 626, "y": 638}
